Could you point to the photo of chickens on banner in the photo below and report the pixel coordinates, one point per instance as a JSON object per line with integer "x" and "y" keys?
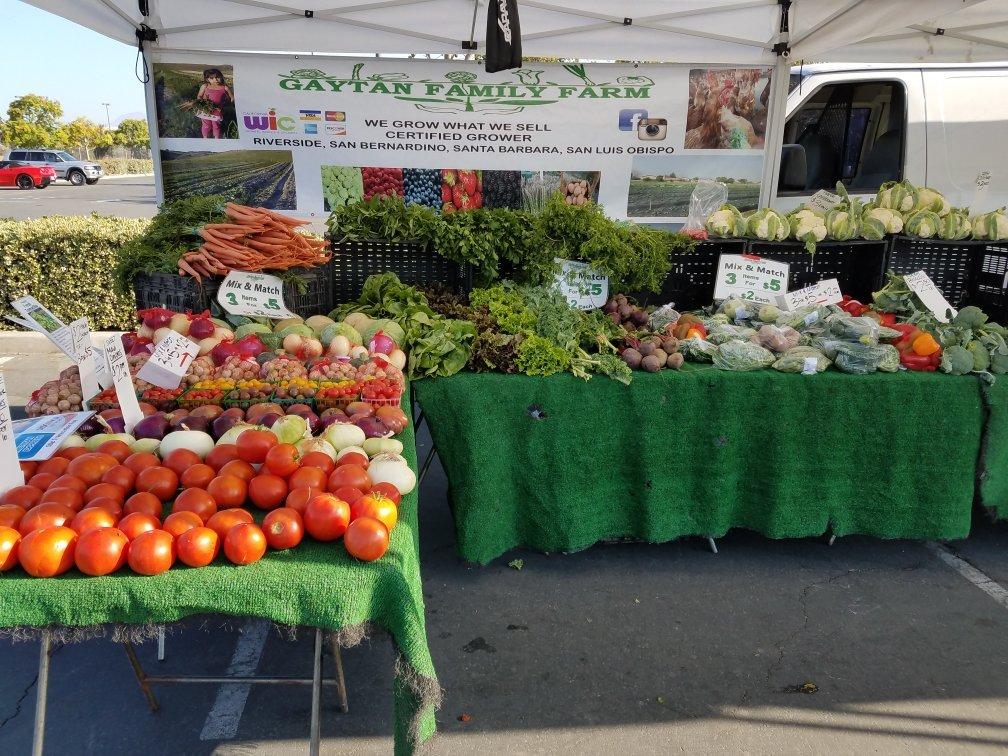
{"x": 727, "y": 108}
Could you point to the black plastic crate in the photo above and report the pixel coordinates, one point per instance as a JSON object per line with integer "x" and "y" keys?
{"x": 415, "y": 264}
{"x": 991, "y": 291}
{"x": 690, "y": 282}
{"x": 954, "y": 266}
{"x": 174, "y": 292}
{"x": 314, "y": 297}
{"x": 858, "y": 265}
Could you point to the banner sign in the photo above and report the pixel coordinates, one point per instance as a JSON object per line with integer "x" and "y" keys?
{"x": 752, "y": 278}
{"x": 306, "y": 134}
{"x": 255, "y": 295}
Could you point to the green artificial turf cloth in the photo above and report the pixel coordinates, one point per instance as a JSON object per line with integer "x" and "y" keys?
{"x": 558, "y": 463}
{"x": 994, "y": 458}
{"x": 314, "y": 585}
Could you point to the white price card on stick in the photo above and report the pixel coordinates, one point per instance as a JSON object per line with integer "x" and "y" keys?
{"x": 255, "y": 295}
{"x": 84, "y": 356}
{"x": 172, "y": 357}
{"x": 10, "y": 470}
{"x": 583, "y": 287}
{"x": 118, "y": 368}
{"x": 38, "y": 438}
{"x": 920, "y": 283}
{"x": 824, "y": 201}
{"x": 750, "y": 278}
{"x": 822, "y": 293}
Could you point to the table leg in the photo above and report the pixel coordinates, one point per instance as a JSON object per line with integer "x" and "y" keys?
{"x": 340, "y": 681}
{"x": 426, "y": 464}
{"x": 160, "y": 644}
{"x": 41, "y": 693}
{"x": 315, "y": 735}
{"x": 712, "y": 545}
{"x": 141, "y": 676}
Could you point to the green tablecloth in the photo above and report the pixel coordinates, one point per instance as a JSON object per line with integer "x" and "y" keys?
{"x": 700, "y": 451}
{"x": 315, "y": 584}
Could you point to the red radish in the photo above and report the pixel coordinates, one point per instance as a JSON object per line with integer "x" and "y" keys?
{"x": 222, "y": 351}
{"x": 381, "y": 343}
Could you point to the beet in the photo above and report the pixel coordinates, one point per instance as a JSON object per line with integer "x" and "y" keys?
{"x": 632, "y": 358}
{"x": 651, "y": 364}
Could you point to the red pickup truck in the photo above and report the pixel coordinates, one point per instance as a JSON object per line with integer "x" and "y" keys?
{"x": 25, "y": 176}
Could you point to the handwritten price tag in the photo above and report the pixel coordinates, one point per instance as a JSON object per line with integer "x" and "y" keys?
{"x": 920, "y": 283}
{"x": 38, "y": 318}
{"x": 824, "y": 201}
{"x": 168, "y": 365}
{"x": 83, "y": 352}
{"x": 256, "y": 295}
{"x": 824, "y": 292}
{"x": 750, "y": 278}
{"x": 118, "y": 368}
{"x": 10, "y": 470}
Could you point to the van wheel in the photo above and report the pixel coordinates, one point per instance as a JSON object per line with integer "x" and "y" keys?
{"x": 76, "y": 178}
{"x": 24, "y": 181}
{"x": 92, "y": 181}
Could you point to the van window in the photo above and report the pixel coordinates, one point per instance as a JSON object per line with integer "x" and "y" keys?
{"x": 17, "y": 156}
{"x": 36, "y": 157}
{"x": 52, "y": 157}
{"x": 852, "y": 132}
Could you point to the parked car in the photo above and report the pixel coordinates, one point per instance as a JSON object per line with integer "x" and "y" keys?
{"x": 24, "y": 175}
{"x": 77, "y": 172}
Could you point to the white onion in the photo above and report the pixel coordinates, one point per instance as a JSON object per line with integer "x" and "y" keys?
{"x": 196, "y": 441}
{"x": 358, "y": 352}
{"x": 394, "y": 469}
{"x": 350, "y": 450}
{"x": 342, "y": 435}
{"x": 71, "y": 441}
{"x": 316, "y": 445}
{"x": 375, "y": 446}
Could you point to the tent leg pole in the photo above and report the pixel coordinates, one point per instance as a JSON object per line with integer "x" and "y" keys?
{"x": 712, "y": 545}
{"x": 141, "y": 676}
{"x": 160, "y": 644}
{"x": 41, "y": 693}
{"x": 316, "y": 695}
{"x": 426, "y": 465}
{"x": 341, "y": 690}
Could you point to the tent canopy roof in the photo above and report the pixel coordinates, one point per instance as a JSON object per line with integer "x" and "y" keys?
{"x": 684, "y": 31}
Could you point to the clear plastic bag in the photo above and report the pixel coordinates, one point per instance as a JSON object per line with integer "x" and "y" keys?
{"x": 802, "y": 359}
{"x": 742, "y": 356}
{"x": 708, "y": 195}
{"x": 777, "y": 338}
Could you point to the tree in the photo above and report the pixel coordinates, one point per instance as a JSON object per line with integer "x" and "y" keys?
{"x": 132, "y": 132}
{"x": 83, "y": 132}
{"x": 32, "y": 121}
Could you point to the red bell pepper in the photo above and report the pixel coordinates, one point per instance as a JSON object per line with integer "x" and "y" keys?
{"x": 853, "y": 307}
{"x": 919, "y": 362}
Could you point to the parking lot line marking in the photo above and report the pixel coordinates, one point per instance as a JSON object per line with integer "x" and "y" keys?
{"x": 980, "y": 579}
{"x": 225, "y": 716}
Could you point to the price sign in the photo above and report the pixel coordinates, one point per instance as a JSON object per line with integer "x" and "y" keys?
{"x": 824, "y": 292}
{"x": 171, "y": 358}
{"x": 84, "y": 355}
{"x": 118, "y": 368}
{"x": 10, "y": 470}
{"x": 38, "y": 438}
{"x": 254, "y": 295}
{"x": 980, "y": 187}
{"x": 39, "y": 318}
{"x": 824, "y": 201}
{"x": 583, "y": 286}
{"x": 750, "y": 278}
{"x": 920, "y": 283}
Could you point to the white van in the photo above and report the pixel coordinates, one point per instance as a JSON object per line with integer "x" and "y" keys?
{"x": 945, "y": 127}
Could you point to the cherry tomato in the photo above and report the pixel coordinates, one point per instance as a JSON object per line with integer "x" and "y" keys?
{"x": 349, "y": 494}
{"x": 92, "y": 519}
{"x": 25, "y": 497}
{"x": 65, "y": 496}
{"x": 101, "y": 551}
{"x": 197, "y": 476}
{"x": 102, "y": 490}
{"x": 376, "y": 506}
{"x": 10, "y": 515}
{"x": 138, "y": 522}
{"x": 118, "y": 449}
{"x": 45, "y": 516}
{"x": 282, "y": 460}
{"x": 220, "y": 455}
{"x": 350, "y": 475}
{"x": 267, "y": 491}
{"x": 320, "y": 460}
{"x": 366, "y": 539}
{"x": 253, "y": 445}
{"x": 387, "y": 489}
{"x": 239, "y": 469}
{"x": 9, "y": 541}
{"x": 245, "y": 543}
{"x": 47, "y": 552}
{"x": 298, "y": 498}
{"x": 197, "y": 501}
{"x": 228, "y": 491}
{"x": 113, "y": 506}
{"x": 151, "y": 553}
{"x": 159, "y": 481}
{"x": 144, "y": 502}
{"x": 198, "y": 546}
{"x": 180, "y": 460}
{"x": 54, "y": 465}
{"x": 308, "y": 477}
{"x": 284, "y": 528}
{"x": 70, "y": 481}
{"x": 140, "y": 461}
{"x": 226, "y": 519}
{"x": 326, "y": 517}
{"x": 352, "y": 458}
{"x": 91, "y": 466}
{"x": 42, "y": 480}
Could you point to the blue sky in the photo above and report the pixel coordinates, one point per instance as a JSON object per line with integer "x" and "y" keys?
{"x": 53, "y": 57}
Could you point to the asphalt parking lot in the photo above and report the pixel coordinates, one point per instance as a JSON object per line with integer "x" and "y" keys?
{"x": 125, "y": 196}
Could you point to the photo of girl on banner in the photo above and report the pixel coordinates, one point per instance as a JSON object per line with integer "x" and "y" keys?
{"x": 195, "y": 101}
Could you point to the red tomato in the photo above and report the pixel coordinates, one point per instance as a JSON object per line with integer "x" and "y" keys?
{"x": 144, "y": 502}
{"x": 178, "y": 523}
{"x": 320, "y": 460}
{"x": 66, "y": 496}
{"x": 159, "y": 481}
{"x": 9, "y": 540}
{"x": 72, "y": 452}
{"x": 376, "y": 506}
{"x": 228, "y": 490}
{"x": 197, "y": 476}
{"x": 103, "y": 490}
{"x": 92, "y": 519}
{"x": 10, "y": 515}
{"x": 113, "y": 506}
{"x": 118, "y": 449}
{"x": 284, "y": 528}
{"x": 326, "y": 517}
{"x": 220, "y": 455}
{"x": 350, "y": 475}
{"x": 47, "y": 552}
{"x": 25, "y": 497}
{"x": 282, "y": 460}
{"x": 366, "y": 539}
{"x": 388, "y": 490}
{"x": 245, "y": 543}
{"x": 239, "y": 469}
{"x": 349, "y": 494}
{"x": 198, "y": 547}
{"x": 30, "y": 468}
{"x": 151, "y": 553}
{"x": 45, "y": 516}
{"x": 140, "y": 461}
{"x": 138, "y": 522}
{"x": 42, "y": 480}
{"x": 196, "y": 500}
{"x": 180, "y": 460}
{"x": 226, "y": 519}
{"x": 353, "y": 458}
{"x": 298, "y": 498}
{"x": 55, "y": 466}
{"x": 253, "y": 445}
{"x": 122, "y": 476}
{"x": 267, "y": 491}
{"x": 91, "y": 466}
{"x": 101, "y": 551}
{"x": 70, "y": 481}
{"x": 308, "y": 477}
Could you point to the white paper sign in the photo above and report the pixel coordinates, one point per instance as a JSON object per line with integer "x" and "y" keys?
{"x": 10, "y": 470}
{"x": 41, "y": 319}
{"x": 85, "y": 358}
{"x": 171, "y": 358}
{"x": 824, "y": 201}
{"x": 256, "y": 295}
{"x": 750, "y": 278}
{"x": 824, "y": 292}
{"x": 38, "y": 438}
{"x": 583, "y": 287}
{"x": 922, "y": 285}
{"x": 118, "y": 368}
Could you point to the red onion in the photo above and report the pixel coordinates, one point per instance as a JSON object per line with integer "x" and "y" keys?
{"x": 155, "y": 317}
{"x": 372, "y": 426}
{"x": 201, "y": 328}
{"x": 141, "y": 346}
{"x": 250, "y": 346}
{"x": 222, "y": 351}
{"x": 381, "y": 343}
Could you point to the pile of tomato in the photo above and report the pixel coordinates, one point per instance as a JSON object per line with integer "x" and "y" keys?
{"x": 104, "y": 510}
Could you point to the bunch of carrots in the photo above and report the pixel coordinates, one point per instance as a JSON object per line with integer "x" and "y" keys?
{"x": 256, "y": 239}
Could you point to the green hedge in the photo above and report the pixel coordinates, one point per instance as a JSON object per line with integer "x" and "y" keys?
{"x": 120, "y": 166}
{"x": 66, "y": 262}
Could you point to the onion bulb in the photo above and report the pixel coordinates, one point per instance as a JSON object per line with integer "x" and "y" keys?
{"x": 180, "y": 324}
{"x": 293, "y": 342}
{"x": 162, "y": 333}
{"x": 394, "y": 469}
{"x": 207, "y": 345}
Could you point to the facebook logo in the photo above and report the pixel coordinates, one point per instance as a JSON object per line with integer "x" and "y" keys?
{"x": 629, "y": 118}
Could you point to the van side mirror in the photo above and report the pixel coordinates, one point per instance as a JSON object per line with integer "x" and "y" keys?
{"x": 793, "y": 169}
